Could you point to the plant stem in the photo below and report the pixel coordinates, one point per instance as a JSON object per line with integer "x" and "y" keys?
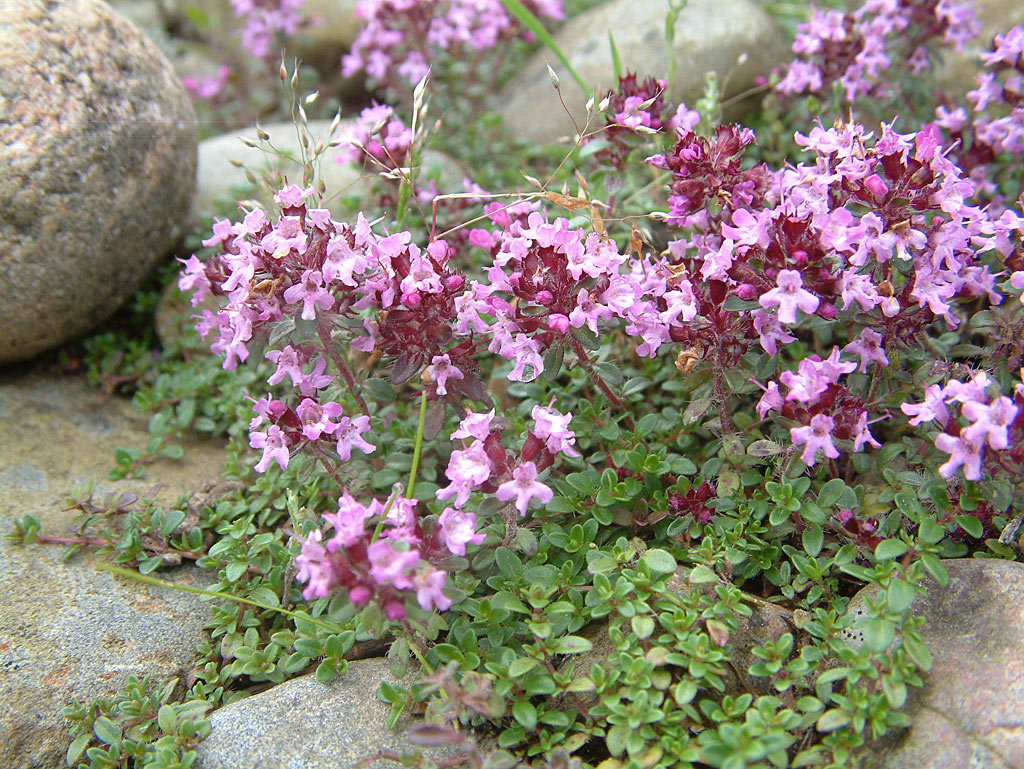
{"x": 339, "y": 361}
{"x": 417, "y": 447}
{"x": 584, "y": 359}
{"x": 724, "y": 415}
{"x": 215, "y": 594}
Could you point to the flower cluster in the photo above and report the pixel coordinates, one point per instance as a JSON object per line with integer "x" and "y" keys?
{"x": 378, "y": 137}
{"x": 265, "y": 21}
{"x": 402, "y": 38}
{"x": 633, "y": 105}
{"x": 995, "y": 124}
{"x": 208, "y": 87}
{"x": 856, "y": 49}
{"x": 383, "y": 553}
{"x": 991, "y": 418}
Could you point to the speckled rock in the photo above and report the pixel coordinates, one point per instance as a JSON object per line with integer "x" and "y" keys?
{"x": 970, "y": 711}
{"x": 303, "y": 723}
{"x": 68, "y": 630}
{"x": 711, "y": 36}
{"x": 97, "y": 143}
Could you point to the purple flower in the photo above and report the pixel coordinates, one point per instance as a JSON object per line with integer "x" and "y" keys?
{"x": 467, "y": 469}
{"x": 311, "y": 291}
{"x": 429, "y": 584}
{"x": 440, "y": 371}
{"x": 869, "y": 347}
{"x": 350, "y": 436}
{"x": 788, "y": 296}
{"x": 818, "y": 435}
{"x": 458, "y": 529}
{"x": 275, "y": 448}
{"x": 524, "y": 487}
{"x": 348, "y": 522}
{"x": 316, "y": 419}
{"x": 933, "y": 407}
{"x": 474, "y": 425}
{"x": 553, "y": 428}
{"x": 963, "y": 452}
{"x": 389, "y": 566}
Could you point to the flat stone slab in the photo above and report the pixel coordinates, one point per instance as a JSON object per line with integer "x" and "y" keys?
{"x": 71, "y": 631}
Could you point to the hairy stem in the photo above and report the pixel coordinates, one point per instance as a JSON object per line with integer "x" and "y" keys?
{"x": 584, "y": 359}
{"x": 339, "y": 361}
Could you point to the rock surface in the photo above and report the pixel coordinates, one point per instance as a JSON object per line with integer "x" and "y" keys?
{"x": 303, "y": 723}
{"x": 970, "y": 711}
{"x": 711, "y": 35}
{"x": 220, "y": 183}
{"x": 67, "y": 630}
{"x": 97, "y": 143}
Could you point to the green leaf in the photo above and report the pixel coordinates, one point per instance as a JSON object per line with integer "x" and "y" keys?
{"x": 659, "y": 561}
{"x": 521, "y": 666}
{"x": 831, "y": 492}
{"x": 832, "y": 719}
{"x": 888, "y": 549}
{"x": 167, "y": 718}
{"x": 971, "y": 525}
{"x": 171, "y": 521}
{"x": 380, "y": 390}
{"x": 106, "y": 731}
{"x": 326, "y": 670}
{"x": 812, "y": 539}
{"x": 526, "y": 714}
{"x": 616, "y": 62}
{"x": 637, "y": 385}
{"x": 509, "y": 564}
{"x": 532, "y": 23}
{"x": 701, "y": 574}
{"x": 265, "y": 596}
{"x": 934, "y": 566}
{"x": 77, "y": 747}
{"x": 879, "y": 634}
{"x": 900, "y": 595}
{"x": 696, "y": 410}
{"x": 553, "y": 362}
{"x": 917, "y": 651}
{"x": 642, "y": 626}
{"x": 571, "y": 644}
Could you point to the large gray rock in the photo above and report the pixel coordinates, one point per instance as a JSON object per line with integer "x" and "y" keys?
{"x": 303, "y": 723}
{"x": 68, "y": 630}
{"x": 97, "y": 143}
{"x": 970, "y": 711}
{"x": 711, "y": 36}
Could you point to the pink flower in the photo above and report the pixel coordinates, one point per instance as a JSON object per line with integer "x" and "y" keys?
{"x": 553, "y": 428}
{"x": 869, "y": 347}
{"x": 275, "y": 448}
{"x": 350, "y": 436}
{"x": 440, "y": 371}
{"x": 467, "y": 469}
{"x": 963, "y": 452}
{"x": 933, "y": 407}
{"x": 458, "y": 529}
{"x": 389, "y": 566}
{"x": 311, "y": 291}
{"x": 348, "y": 522}
{"x": 818, "y": 435}
{"x": 474, "y": 426}
{"x": 789, "y": 296}
{"x": 316, "y": 419}
{"x": 429, "y": 583}
{"x": 524, "y": 487}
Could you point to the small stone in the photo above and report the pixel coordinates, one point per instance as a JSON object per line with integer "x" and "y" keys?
{"x": 304, "y": 723}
